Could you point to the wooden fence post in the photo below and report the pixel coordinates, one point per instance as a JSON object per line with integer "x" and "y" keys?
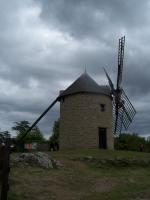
{"x": 5, "y": 168}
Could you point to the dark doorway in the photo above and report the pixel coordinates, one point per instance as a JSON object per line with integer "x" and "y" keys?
{"x": 102, "y": 138}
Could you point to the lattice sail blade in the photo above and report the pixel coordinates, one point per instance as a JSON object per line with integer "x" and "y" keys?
{"x": 117, "y": 119}
{"x": 123, "y": 114}
{"x": 120, "y": 61}
{"x": 109, "y": 81}
{"x": 128, "y": 110}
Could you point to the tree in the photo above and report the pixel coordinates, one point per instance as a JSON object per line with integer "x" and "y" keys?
{"x": 126, "y": 141}
{"x": 55, "y": 136}
{"x": 20, "y": 128}
{"x": 34, "y": 135}
{"x": 4, "y": 136}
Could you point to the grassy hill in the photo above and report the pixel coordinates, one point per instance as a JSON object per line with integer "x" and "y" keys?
{"x": 82, "y": 178}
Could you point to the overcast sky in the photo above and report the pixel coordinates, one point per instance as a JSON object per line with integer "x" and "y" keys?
{"x": 46, "y": 44}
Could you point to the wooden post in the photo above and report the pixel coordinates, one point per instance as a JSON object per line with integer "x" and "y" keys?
{"x": 5, "y": 168}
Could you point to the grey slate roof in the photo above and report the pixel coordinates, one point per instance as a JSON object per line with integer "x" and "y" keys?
{"x": 87, "y": 85}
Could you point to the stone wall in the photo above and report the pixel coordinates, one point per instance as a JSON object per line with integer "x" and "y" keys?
{"x": 80, "y": 119}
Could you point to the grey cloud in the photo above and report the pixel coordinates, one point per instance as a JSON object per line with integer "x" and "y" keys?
{"x": 98, "y": 18}
{"x": 45, "y": 45}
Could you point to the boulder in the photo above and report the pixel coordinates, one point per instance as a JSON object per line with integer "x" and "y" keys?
{"x": 39, "y": 159}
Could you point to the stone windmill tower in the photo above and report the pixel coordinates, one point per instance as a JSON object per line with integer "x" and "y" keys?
{"x": 86, "y": 115}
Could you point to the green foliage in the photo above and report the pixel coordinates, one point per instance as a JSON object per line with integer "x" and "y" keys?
{"x": 147, "y": 146}
{"x": 21, "y": 127}
{"x": 129, "y": 142}
{"x": 33, "y": 136}
{"x": 4, "y": 136}
{"x": 55, "y": 135}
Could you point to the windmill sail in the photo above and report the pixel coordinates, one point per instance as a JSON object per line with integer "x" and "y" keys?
{"x": 117, "y": 120}
{"x": 118, "y": 92}
{"x": 123, "y": 110}
{"x": 109, "y": 81}
{"x": 125, "y": 114}
{"x": 120, "y": 61}
{"x": 128, "y": 109}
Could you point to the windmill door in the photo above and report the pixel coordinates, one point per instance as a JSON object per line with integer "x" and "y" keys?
{"x": 102, "y": 138}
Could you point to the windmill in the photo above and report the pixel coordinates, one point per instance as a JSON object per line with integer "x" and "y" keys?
{"x": 123, "y": 110}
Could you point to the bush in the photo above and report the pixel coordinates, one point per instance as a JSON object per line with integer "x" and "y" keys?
{"x": 130, "y": 142}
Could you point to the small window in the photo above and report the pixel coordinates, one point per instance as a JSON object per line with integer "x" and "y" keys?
{"x": 103, "y": 107}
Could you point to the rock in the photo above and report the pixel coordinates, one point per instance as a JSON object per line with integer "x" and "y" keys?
{"x": 114, "y": 161}
{"x": 57, "y": 164}
{"x": 89, "y": 158}
{"x": 40, "y": 159}
{"x": 103, "y": 162}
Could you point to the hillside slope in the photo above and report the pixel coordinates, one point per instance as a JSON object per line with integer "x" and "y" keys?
{"x": 82, "y": 178}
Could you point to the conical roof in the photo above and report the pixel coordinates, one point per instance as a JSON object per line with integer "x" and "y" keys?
{"x": 85, "y": 84}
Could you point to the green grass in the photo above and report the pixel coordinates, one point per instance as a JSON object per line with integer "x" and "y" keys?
{"x": 79, "y": 180}
{"x": 101, "y": 153}
{"x": 132, "y": 183}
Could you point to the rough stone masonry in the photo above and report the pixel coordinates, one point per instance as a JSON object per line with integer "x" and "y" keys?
{"x": 85, "y": 107}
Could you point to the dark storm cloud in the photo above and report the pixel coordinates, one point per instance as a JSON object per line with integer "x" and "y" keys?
{"x": 100, "y": 18}
{"x": 45, "y": 45}
{"x": 99, "y": 21}
{"x": 103, "y": 21}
